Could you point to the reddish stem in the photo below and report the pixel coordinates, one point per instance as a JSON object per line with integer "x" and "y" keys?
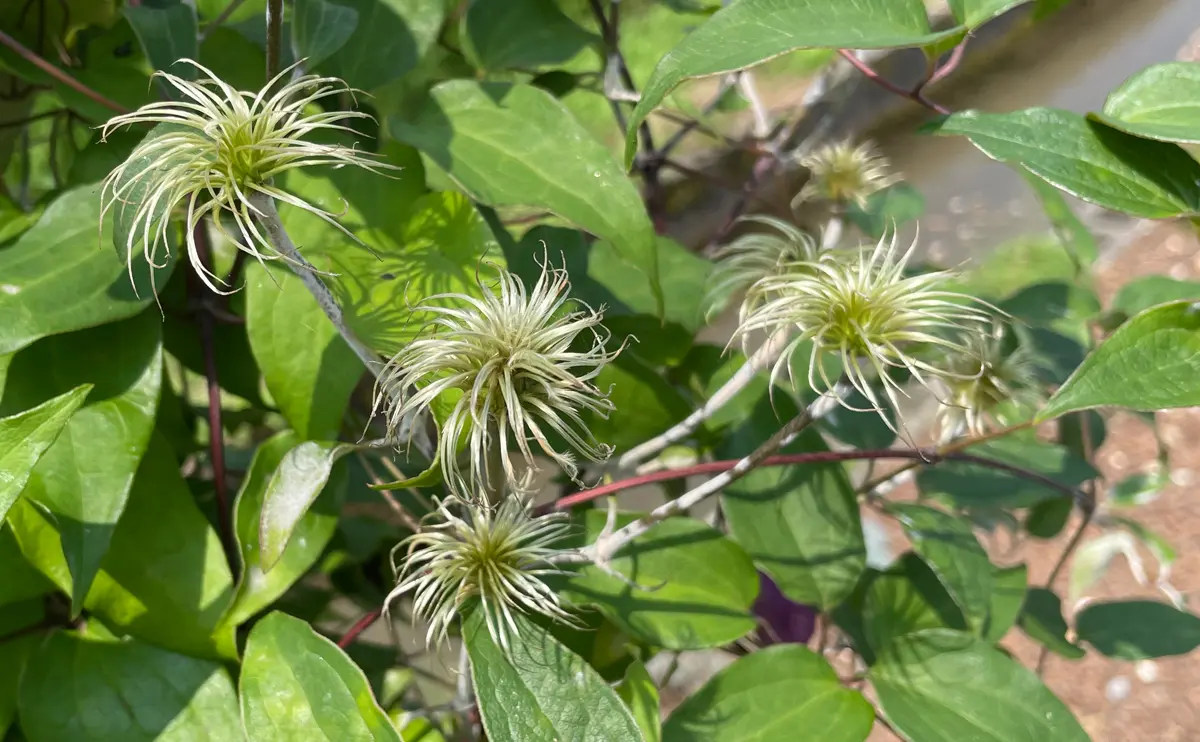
{"x": 715, "y": 467}
{"x": 883, "y": 82}
{"x": 359, "y": 627}
{"x": 58, "y": 74}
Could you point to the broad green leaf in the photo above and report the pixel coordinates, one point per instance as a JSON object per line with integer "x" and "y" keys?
{"x": 973, "y": 486}
{"x": 164, "y": 579}
{"x": 1142, "y": 293}
{"x": 509, "y": 145}
{"x": 1019, "y": 263}
{"x": 1062, "y": 307}
{"x": 525, "y": 34}
{"x": 390, "y": 39}
{"x": 801, "y": 525}
{"x": 974, "y": 13}
{"x": 1138, "y": 629}
{"x": 233, "y": 58}
{"x": 1008, "y": 595}
{"x": 639, "y": 693}
{"x": 683, "y": 274}
{"x": 1042, "y": 620}
{"x": 297, "y": 685}
{"x": 308, "y": 368}
{"x": 26, "y": 436}
{"x": 699, "y": 585}
{"x": 320, "y": 28}
{"x": 1046, "y": 519}
{"x": 257, "y": 589}
{"x": 540, "y": 690}
{"x": 1160, "y": 102}
{"x": 646, "y": 404}
{"x": 22, "y": 581}
{"x": 747, "y": 32}
{"x": 13, "y": 653}
{"x": 292, "y": 489}
{"x": 1071, "y": 231}
{"x": 168, "y": 31}
{"x": 436, "y": 244}
{"x": 887, "y": 209}
{"x": 85, "y": 690}
{"x": 53, "y": 279}
{"x": 769, "y": 696}
{"x": 210, "y": 9}
{"x": 945, "y": 685}
{"x": 84, "y": 478}
{"x": 948, "y": 545}
{"x": 1150, "y": 363}
{"x": 1087, "y": 159}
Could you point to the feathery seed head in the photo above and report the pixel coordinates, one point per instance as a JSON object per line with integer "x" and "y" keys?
{"x": 843, "y": 173}
{"x": 859, "y": 306}
{"x": 493, "y": 556}
{"x": 521, "y": 373}
{"x": 218, "y": 148}
{"x": 755, "y": 256}
{"x": 981, "y": 377}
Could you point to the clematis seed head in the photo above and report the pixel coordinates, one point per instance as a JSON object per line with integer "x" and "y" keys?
{"x": 215, "y": 150}
{"x": 482, "y": 559}
{"x": 523, "y": 362}
{"x": 981, "y": 378}
{"x": 754, "y": 256}
{"x": 844, "y": 173}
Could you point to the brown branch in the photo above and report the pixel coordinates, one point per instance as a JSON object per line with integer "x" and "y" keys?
{"x": 928, "y": 457}
{"x": 58, "y": 74}
{"x": 274, "y": 37}
{"x": 913, "y": 95}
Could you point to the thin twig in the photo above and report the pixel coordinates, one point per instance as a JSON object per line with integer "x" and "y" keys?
{"x": 956, "y": 58}
{"x": 410, "y": 522}
{"x": 359, "y": 627}
{"x": 220, "y": 19}
{"x": 913, "y": 95}
{"x": 760, "y": 360}
{"x": 274, "y": 37}
{"x": 31, "y": 119}
{"x": 58, "y": 74}
{"x": 608, "y": 544}
{"x": 216, "y": 431}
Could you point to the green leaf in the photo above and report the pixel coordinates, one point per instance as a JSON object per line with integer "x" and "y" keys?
{"x": 700, "y": 586}
{"x": 429, "y": 477}
{"x": 509, "y": 145}
{"x": 86, "y": 690}
{"x": 26, "y": 436}
{"x": 164, "y": 579}
{"x": 232, "y": 57}
{"x": 1041, "y": 619}
{"x": 438, "y": 244}
{"x": 297, "y": 685}
{"x": 1160, "y": 102}
{"x": 944, "y": 685}
{"x": 1150, "y": 363}
{"x": 210, "y": 9}
{"x": 974, "y": 13}
{"x": 1087, "y": 159}
{"x": 320, "y": 28}
{"x": 649, "y": 403}
{"x": 84, "y": 478}
{"x": 1047, "y": 518}
{"x": 744, "y": 33}
{"x": 885, "y": 210}
{"x": 1008, "y": 595}
{"x": 525, "y": 34}
{"x": 948, "y": 545}
{"x": 1142, "y": 293}
{"x": 168, "y": 31}
{"x": 54, "y": 280}
{"x": 390, "y": 39}
{"x": 972, "y": 486}
{"x": 540, "y": 690}
{"x": 257, "y": 588}
{"x": 1071, "y": 231}
{"x": 13, "y": 653}
{"x": 769, "y": 695}
{"x": 292, "y": 489}
{"x": 1140, "y": 488}
{"x": 1138, "y": 629}
{"x": 639, "y": 693}
{"x": 801, "y": 525}
{"x": 308, "y": 368}
{"x": 22, "y": 581}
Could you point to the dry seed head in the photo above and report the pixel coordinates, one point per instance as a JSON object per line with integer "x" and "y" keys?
{"x": 860, "y": 307}
{"x": 221, "y": 148}
{"x": 484, "y": 559}
{"x": 980, "y": 379}
{"x": 755, "y": 256}
{"x": 843, "y": 173}
{"x": 513, "y": 356}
